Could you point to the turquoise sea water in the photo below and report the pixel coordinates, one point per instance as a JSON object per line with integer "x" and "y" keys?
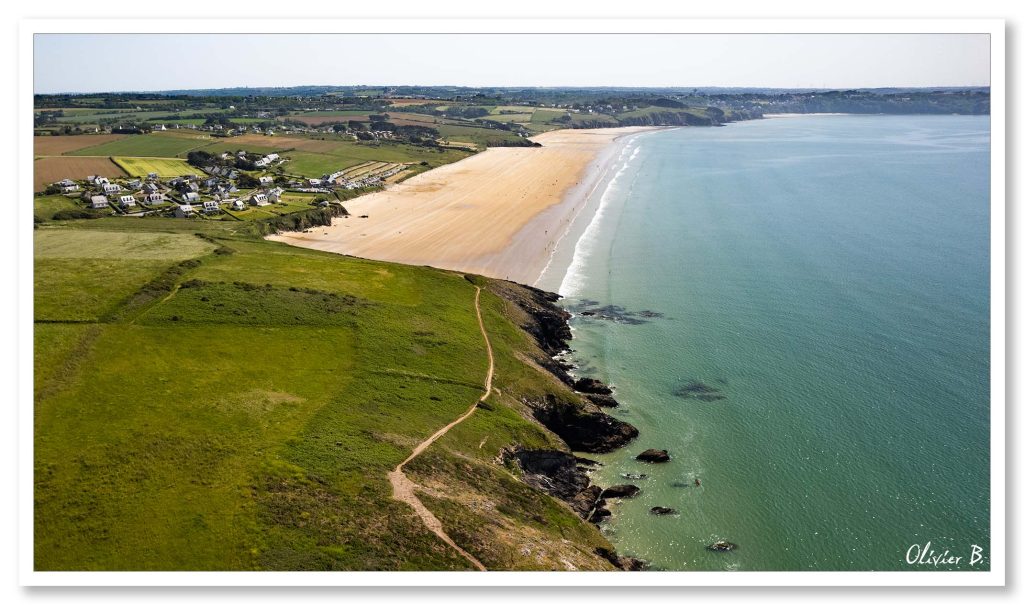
{"x": 829, "y": 277}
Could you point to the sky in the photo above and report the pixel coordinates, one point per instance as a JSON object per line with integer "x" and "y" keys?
{"x": 152, "y": 62}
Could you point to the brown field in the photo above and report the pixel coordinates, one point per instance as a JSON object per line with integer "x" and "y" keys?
{"x": 63, "y": 144}
{"x": 52, "y": 169}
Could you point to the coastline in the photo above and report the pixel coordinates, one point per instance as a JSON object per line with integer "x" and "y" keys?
{"x": 507, "y": 212}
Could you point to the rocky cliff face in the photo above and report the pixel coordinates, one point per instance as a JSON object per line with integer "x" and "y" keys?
{"x": 579, "y": 422}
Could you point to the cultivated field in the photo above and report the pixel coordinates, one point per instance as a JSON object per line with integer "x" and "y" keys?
{"x": 51, "y": 169}
{"x": 145, "y": 145}
{"x": 164, "y": 167}
{"x": 60, "y": 145}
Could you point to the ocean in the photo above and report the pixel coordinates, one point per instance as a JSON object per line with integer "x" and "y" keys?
{"x": 797, "y": 309}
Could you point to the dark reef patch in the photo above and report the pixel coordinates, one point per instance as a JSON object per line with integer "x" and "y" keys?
{"x": 699, "y": 390}
{"x": 594, "y": 310}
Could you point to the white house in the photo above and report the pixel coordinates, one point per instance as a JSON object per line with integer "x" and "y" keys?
{"x": 99, "y": 201}
{"x": 259, "y": 199}
{"x": 274, "y": 195}
{"x": 127, "y": 200}
{"x": 155, "y": 198}
{"x": 238, "y": 205}
{"x": 266, "y": 180}
{"x": 190, "y": 197}
{"x": 211, "y": 207}
{"x": 109, "y": 188}
{"x": 184, "y": 211}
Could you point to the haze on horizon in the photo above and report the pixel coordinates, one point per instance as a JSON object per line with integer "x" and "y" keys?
{"x": 86, "y": 63}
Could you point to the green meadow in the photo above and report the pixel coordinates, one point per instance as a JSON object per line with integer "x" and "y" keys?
{"x": 207, "y": 400}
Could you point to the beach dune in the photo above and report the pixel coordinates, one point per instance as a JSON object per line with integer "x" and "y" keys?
{"x": 499, "y": 213}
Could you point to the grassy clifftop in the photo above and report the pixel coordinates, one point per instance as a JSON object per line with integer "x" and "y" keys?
{"x": 213, "y": 401}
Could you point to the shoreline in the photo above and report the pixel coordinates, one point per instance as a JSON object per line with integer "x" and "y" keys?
{"x": 506, "y": 212}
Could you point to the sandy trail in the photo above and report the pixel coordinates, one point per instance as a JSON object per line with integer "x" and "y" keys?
{"x": 498, "y": 213}
{"x": 404, "y": 490}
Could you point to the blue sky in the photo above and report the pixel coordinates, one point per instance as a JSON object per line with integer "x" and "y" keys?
{"x": 140, "y": 62}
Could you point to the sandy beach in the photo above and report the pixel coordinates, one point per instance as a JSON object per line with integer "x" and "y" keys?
{"x": 499, "y": 213}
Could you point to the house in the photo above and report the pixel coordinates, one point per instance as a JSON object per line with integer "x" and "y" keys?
{"x": 211, "y": 207}
{"x": 98, "y": 201}
{"x": 134, "y": 184}
{"x": 127, "y": 200}
{"x": 259, "y": 199}
{"x": 314, "y": 182}
{"x": 274, "y": 195}
{"x": 150, "y": 188}
{"x": 266, "y": 180}
{"x": 67, "y": 186}
{"x": 109, "y": 188}
{"x": 271, "y": 157}
{"x": 238, "y": 205}
{"x": 99, "y": 180}
{"x": 184, "y": 211}
{"x": 155, "y": 198}
{"x": 190, "y": 197}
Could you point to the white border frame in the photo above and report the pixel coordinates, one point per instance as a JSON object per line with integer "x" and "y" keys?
{"x": 996, "y": 576}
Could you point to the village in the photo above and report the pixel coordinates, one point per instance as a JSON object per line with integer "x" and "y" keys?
{"x": 223, "y": 191}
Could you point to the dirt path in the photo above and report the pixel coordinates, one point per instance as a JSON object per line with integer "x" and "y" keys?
{"x": 404, "y": 490}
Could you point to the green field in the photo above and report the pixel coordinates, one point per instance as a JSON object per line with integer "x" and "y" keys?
{"x": 145, "y": 145}
{"x": 479, "y": 136}
{"x": 235, "y": 404}
{"x": 164, "y": 167}
{"x": 44, "y": 206}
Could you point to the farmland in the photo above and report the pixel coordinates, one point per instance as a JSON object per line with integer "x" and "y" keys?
{"x": 50, "y": 169}
{"x": 245, "y": 405}
{"x": 55, "y": 145}
{"x": 151, "y": 145}
{"x": 163, "y": 167}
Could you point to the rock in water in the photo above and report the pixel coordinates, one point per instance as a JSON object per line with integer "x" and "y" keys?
{"x": 662, "y": 510}
{"x": 620, "y": 491}
{"x": 634, "y": 476}
{"x": 653, "y": 455}
{"x": 605, "y": 401}
{"x": 592, "y": 386}
{"x": 722, "y": 546}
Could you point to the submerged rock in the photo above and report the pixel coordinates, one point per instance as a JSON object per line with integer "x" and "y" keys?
{"x": 653, "y": 456}
{"x": 722, "y": 546}
{"x": 620, "y": 491}
{"x": 701, "y": 391}
{"x": 634, "y": 476}
{"x": 662, "y": 510}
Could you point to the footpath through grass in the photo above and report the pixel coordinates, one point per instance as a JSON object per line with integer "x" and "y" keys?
{"x": 222, "y": 402}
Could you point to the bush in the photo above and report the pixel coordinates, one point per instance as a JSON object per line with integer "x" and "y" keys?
{"x": 76, "y": 213}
